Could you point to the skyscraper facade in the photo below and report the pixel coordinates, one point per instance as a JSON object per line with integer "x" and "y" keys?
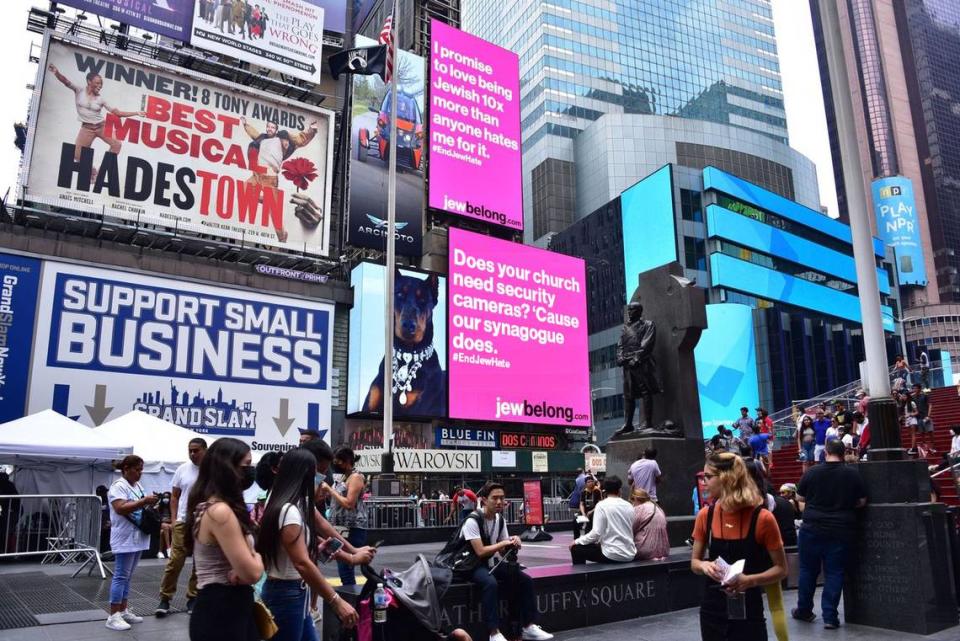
{"x": 706, "y": 60}
{"x": 901, "y": 59}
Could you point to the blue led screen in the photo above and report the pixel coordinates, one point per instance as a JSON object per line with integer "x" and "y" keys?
{"x": 649, "y": 226}
{"x": 726, "y": 358}
{"x": 739, "y": 229}
{"x": 750, "y": 278}
{"x": 740, "y": 189}
{"x": 899, "y": 226}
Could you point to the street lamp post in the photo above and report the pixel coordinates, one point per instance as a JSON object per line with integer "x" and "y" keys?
{"x": 593, "y": 420}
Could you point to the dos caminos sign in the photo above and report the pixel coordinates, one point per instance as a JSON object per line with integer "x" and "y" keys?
{"x": 518, "y": 333}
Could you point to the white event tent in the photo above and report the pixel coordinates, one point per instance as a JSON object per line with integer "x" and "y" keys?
{"x": 161, "y": 445}
{"x": 53, "y": 454}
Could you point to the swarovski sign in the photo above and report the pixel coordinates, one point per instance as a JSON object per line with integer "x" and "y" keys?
{"x": 421, "y": 461}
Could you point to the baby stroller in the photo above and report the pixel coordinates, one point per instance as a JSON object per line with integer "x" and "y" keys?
{"x": 413, "y": 597}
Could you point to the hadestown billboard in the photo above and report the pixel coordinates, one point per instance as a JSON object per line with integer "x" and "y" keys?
{"x": 216, "y": 360}
{"x": 147, "y": 143}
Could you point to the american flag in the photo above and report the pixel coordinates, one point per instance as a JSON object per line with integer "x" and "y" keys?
{"x": 386, "y": 38}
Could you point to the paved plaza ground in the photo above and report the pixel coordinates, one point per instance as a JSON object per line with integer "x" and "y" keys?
{"x": 49, "y": 594}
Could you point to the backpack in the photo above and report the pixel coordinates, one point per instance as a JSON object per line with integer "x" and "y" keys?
{"x": 458, "y": 555}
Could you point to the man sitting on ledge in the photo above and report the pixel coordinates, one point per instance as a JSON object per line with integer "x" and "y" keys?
{"x": 611, "y": 539}
{"x": 486, "y": 531}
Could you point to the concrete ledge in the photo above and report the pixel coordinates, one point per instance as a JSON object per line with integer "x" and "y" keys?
{"x": 571, "y": 597}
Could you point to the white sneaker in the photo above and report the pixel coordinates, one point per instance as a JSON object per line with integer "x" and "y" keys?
{"x": 130, "y": 617}
{"x": 534, "y": 632}
{"x": 497, "y": 637}
{"x": 116, "y": 622}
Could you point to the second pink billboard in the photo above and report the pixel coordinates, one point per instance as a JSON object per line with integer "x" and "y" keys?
{"x": 517, "y": 333}
{"x": 475, "y": 155}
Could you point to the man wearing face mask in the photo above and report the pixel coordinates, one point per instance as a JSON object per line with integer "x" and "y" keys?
{"x": 183, "y": 480}
{"x": 349, "y": 554}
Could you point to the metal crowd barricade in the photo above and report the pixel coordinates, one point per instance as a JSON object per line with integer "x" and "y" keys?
{"x": 59, "y": 528}
{"x": 385, "y": 514}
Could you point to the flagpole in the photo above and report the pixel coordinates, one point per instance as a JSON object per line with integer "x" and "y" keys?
{"x": 391, "y": 258}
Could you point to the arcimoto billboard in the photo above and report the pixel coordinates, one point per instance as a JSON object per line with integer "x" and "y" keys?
{"x": 153, "y": 145}
{"x": 169, "y": 18}
{"x": 370, "y": 155}
{"x": 215, "y": 360}
{"x": 418, "y": 366}
{"x": 475, "y": 153}
{"x": 285, "y": 35}
{"x": 518, "y": 333}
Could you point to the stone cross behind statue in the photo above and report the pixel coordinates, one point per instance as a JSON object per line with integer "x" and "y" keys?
{"x": 677, "y": 308}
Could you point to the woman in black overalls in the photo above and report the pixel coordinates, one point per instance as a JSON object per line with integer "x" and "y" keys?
{"x": 734, "y": 612}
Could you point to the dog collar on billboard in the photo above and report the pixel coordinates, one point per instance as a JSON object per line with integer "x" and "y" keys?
{"x": 405, "y": 374}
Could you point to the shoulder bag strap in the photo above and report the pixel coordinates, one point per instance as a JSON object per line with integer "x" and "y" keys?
{"x": 650, "y": 518}
{"x": 710, "y": 526}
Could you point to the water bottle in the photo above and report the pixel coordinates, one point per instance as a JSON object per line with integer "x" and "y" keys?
{"x": 380, "y": 605}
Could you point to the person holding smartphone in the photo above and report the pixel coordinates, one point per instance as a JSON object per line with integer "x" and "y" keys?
{"x": 127, "y": 499}
{"x": 219, "y": 534}
{"x": 290, "y": 550}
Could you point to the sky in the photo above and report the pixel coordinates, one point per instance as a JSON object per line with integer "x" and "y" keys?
{"x": 798, "y": 67}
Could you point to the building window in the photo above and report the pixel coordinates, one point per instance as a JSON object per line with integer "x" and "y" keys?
{"x": 695, "y": 253}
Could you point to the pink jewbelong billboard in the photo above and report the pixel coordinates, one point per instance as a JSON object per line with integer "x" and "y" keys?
{"x": 517, "y": 332}
{"x": 474, "y": 128}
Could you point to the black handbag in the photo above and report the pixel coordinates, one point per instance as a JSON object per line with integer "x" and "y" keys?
{"x": 149, "y": 522}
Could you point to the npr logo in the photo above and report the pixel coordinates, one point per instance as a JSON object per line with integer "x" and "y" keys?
{"x": 891, "y": 191}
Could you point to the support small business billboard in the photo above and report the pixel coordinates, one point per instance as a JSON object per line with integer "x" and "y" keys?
{"x": 215, "y": 360}
{"x": 518, "y": 333}
{"x": 475, "y": 154}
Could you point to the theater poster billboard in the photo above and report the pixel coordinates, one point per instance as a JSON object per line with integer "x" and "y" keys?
{"x": 285, "y": 35}
{"x": 370, "y": 155}
{"x": 518, "y": 333}
{"x": 169, "y": 18}
{"x": 151, "y": 144}
{"x": 475, "y": 154}
{"x": 215, "y": 360}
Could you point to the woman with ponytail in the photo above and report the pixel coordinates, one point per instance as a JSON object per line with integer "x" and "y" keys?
{"x": 735, "y": 527}
{"x": 219, "y": 534}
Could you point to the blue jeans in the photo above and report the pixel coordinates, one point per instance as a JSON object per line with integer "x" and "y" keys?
{"x": 818, "y": 550}
{"x": 126, "y": 563}
{"x": 287, "y": 601}
{"x": 357, "y": 538}
{"x": 520, "y": 594}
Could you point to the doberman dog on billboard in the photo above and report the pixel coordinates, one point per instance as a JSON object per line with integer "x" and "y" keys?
{"x": 419, "y": 382}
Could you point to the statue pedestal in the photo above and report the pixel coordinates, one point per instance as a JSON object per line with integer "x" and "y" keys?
{"x": 679, "y": 459}
{"x": 901, "y": 576}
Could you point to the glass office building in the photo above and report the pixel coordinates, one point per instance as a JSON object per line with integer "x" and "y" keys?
{"x": 707, "y": 60}
{"x": 781, "y": 286}
{"x": 903, "y": 70}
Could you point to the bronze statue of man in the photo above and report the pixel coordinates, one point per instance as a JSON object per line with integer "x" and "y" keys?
{"x": 635, "y": 355}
